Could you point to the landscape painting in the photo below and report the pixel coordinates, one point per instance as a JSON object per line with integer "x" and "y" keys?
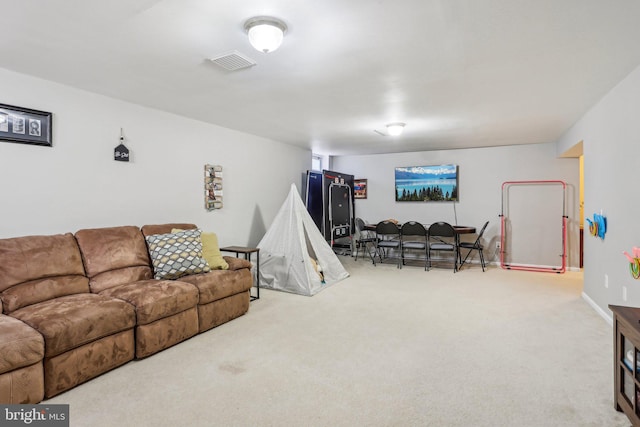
{"x": 427, "y": 183}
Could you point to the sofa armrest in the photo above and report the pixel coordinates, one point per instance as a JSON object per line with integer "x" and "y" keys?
{"x": 236, "y": 263}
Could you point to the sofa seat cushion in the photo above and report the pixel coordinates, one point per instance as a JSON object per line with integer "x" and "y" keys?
{"x": 155, "y": 299}
{"x": 71, "y": 321}
{"x": 220, "y": 284}
{"x": 20, "y": 346}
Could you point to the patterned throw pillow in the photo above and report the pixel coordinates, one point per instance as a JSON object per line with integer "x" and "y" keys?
{"x": 174, "y": 255}
{"x": 210, "y": 250}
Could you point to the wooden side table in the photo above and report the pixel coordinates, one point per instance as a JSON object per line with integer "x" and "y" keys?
{"x": 626, "y": 361}
{"x": 247, "y": 255}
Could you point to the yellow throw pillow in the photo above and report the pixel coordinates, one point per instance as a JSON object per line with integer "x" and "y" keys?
{"x": 211, "y": 251}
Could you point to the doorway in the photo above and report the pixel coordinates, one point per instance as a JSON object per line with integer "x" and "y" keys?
{"x": 581, "y": 211}
{"x": 576, "y": 152}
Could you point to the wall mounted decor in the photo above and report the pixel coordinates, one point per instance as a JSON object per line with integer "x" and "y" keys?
{"x": 121, "y": 153}
{"x": 427, "y": 183}
{"x": 634, "y": 262}
{"x": 597, "y": 227}
{"x": 25, "y": 126}
{"x": 212, "y": 187}
{"x": 360, "y": 188}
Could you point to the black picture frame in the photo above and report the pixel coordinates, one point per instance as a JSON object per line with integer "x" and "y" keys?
{"x": 25, "y": 126}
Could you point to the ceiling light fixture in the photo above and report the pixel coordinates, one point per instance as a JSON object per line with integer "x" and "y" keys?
{"x": 265, "y": 33}
{"x": 395, "y": 129}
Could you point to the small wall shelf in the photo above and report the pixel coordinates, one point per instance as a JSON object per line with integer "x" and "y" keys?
{"x": 213, "y": 187}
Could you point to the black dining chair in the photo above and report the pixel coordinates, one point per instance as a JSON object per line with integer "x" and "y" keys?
{"x": 365, "y": 239}
{"x": 414, "y": 238}
{"x": 442, "y": 237}
{"x": 474, "y": 246}
{"x": 388, "y": 238}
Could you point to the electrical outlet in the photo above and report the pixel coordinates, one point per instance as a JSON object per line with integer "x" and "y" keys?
{"x": 624, "y": 293}
{"x": 606, "y": 280}
{"x": 498, "y": 244}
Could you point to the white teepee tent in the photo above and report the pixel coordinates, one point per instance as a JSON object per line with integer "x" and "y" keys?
{"x": 294, "y": 256}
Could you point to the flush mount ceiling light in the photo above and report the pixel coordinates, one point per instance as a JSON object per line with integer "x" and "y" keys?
{"x": 395, "y": 129}
{"x": 265, "y": 33}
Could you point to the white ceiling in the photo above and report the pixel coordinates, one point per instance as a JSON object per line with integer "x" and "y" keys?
{"x": 460, "y": 73}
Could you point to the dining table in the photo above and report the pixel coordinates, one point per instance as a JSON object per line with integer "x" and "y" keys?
{"x": 459, "y": 229}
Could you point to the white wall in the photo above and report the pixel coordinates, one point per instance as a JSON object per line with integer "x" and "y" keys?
{"x": 610, "y": 132}
{"x": 481, "y": 174}
{"x": 77, "y": 184}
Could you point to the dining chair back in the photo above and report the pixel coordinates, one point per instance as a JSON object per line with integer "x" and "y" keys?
{"x": 474, "y": 246}
{"x": 443, "y": 237}
{"x": 414, "y": 238}
{"x": 388, "y": 242}
{"x": 364, "y": 239}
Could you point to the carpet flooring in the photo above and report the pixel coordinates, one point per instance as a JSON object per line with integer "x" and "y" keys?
{"x": 385, "y": 347}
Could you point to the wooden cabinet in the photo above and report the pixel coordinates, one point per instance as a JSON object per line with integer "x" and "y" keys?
{"x": 626, "y": 361}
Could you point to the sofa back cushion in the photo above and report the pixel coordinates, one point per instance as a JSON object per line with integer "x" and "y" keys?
{"x": 39, "y": 268}
{"x": 114, "y": 256}
{"x": 149, "y": 230}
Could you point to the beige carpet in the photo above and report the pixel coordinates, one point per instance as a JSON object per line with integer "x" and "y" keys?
{"x": 385, "y": 347}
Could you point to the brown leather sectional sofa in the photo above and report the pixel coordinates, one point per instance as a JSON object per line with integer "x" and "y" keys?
{"x": 76, "y": 306}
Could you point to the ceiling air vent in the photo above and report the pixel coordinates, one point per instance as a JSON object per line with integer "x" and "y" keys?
{"x": 233, "y": 61}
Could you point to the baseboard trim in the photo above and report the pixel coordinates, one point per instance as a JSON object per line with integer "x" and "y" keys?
{"x": 497, "y": 264}
{"x": 597, "y": 308}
